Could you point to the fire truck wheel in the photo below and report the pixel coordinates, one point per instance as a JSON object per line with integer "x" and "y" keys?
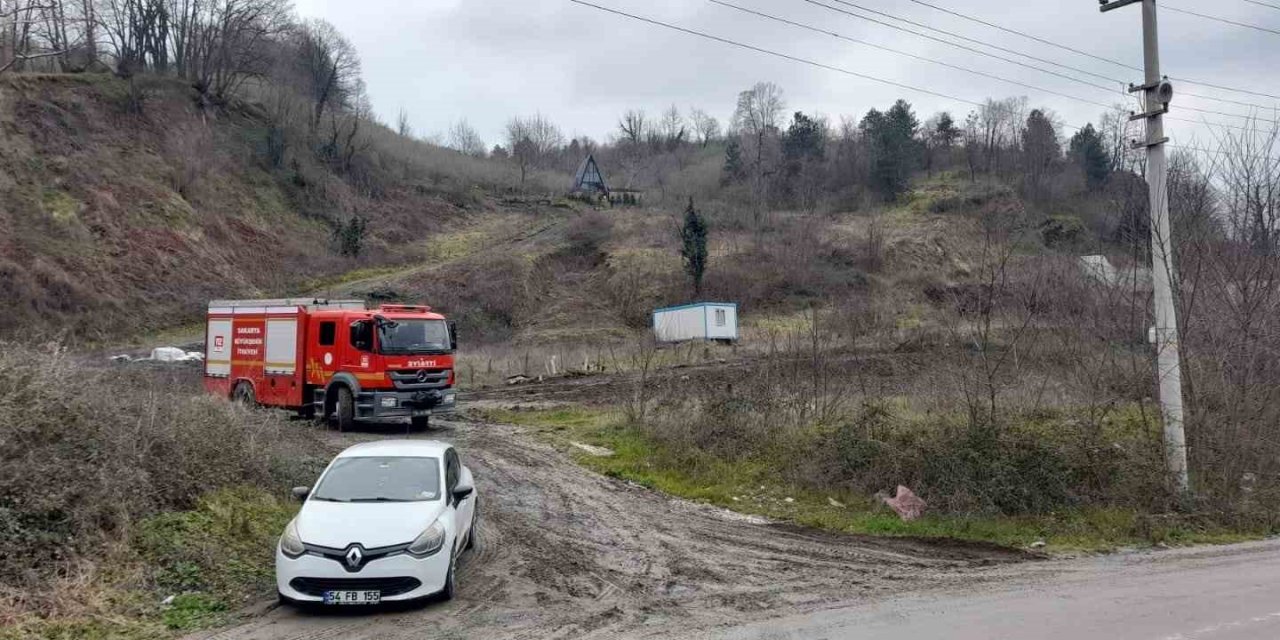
{"x": 243, "y": 394}
{"x": 345, "y": 410}
{"x": 420, "y": 423}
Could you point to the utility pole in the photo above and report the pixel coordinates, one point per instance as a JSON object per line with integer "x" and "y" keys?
{"x": 1158, "y": 92}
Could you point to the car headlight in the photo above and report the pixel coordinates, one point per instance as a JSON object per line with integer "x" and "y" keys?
{"x": 449, "y": 398}
{"x": 290, "y": 542}
{"x": 429, "y": 542}
{"x": 388, "y": 401}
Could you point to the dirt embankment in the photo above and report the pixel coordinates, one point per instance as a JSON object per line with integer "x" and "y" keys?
{"x": 564, "y": 552}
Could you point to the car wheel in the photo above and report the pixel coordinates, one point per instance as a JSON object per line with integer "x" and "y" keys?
{"x": 345, "y": 410}
{"x": 243, "y": 394}
{"x": 450, "y": 580}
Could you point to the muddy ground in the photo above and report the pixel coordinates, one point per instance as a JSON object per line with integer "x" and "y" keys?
{"x": 564, "y": 552}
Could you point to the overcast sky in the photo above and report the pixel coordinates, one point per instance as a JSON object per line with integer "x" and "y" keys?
{"x": 487, "y": 60}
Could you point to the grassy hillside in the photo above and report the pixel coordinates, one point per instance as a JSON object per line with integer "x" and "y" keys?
{"x": 114, "y": 221}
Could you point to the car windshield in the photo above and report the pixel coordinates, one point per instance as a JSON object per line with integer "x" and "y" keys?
{"x": 414, "y": 336}
{"x": 381, "y": 479}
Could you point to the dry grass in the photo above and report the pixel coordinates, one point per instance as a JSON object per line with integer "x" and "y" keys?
{"x": 88, "y": 454}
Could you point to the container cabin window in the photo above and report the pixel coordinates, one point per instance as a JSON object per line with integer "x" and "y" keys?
{"x": 328, "y": 333}
{"x": 720, "y": 319}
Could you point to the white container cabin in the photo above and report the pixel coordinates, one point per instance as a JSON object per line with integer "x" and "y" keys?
{"x": 697, "y": 321}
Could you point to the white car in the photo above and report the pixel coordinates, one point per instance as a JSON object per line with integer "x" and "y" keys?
{"x": 385, "y": 522}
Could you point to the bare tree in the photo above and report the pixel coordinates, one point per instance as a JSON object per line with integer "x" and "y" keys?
{"x": 35, "y": 30}
{"x": 532, "y": 141}
{"x": 756, "y": 119}
{"x": 671, "y": 130}
{"x": 1251, "y": 183}
{"x": 402, "y": 124}
{"x": 633, "y": 127}
{"x": 1115, "y": 129}
{"x": 465, "y": 139}
{"x": 328, "y": 67}
{"x": 705, "y": 126}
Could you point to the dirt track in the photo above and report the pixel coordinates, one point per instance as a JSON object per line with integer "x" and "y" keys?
{"x": 565, "y": 552}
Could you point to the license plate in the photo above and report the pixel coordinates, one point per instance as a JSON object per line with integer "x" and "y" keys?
{"x": 352, "y": 597}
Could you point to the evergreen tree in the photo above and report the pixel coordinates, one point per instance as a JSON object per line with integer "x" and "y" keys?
{"x": 804, "y": 148}
{"x": 733, "y": 167}
{"x": 350, "y": 236}
{"x": 946, "y": 133}
{"x": 805, "y": 139}
{"x": 1088, "y": 151}
{"x": 894, "y": 149}
{"x": 693, "y": 246}
{"x": 1040, "y": 149}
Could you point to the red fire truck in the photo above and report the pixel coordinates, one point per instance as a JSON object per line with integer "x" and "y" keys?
{"x": 333, "y": 359}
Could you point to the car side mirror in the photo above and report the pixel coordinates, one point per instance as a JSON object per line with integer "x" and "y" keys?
{"x": 301, "y": 493}
{"x": 465, "y": 486}
{"x": 461, "y": 492}
{"x": 453, "y": 335}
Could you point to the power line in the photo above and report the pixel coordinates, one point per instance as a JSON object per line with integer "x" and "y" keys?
{"x": 1220, "y": 19}
{"x": 785, "y": 56}
{"x": 939, "y": 62}
{"x": 1264, "y": 4}
{"x": 962, "y": 37}
{"x": 812, "y": 63}
{"x": 1002, "y": 58}
{"x": 905, "y": 53}
{"x": 1026, "y": 35}
{"x": 1118, "y": 63}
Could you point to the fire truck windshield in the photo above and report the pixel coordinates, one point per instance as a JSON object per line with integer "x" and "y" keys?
{"x": 413, "y": 336}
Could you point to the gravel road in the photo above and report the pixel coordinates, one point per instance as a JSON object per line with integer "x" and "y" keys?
{"x": 567, "y": 553}
{"x": 1205, "y": 593}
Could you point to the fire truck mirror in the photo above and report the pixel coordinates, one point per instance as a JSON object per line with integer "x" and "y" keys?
{"x": 453, "y": 335}
{"x": 362, "y": 335}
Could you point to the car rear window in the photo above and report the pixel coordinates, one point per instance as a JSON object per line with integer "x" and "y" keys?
{"x": 381, "y": 479}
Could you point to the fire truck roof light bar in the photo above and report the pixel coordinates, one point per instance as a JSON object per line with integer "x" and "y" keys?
{"x": 405, "y": 308}
{"x": 289, "y": 302}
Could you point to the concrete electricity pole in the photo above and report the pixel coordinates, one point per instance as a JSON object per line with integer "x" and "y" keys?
{"x": 1158, "y": 92}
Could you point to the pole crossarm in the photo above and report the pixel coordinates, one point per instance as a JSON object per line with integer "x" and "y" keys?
{"x": 1111, "y": 6}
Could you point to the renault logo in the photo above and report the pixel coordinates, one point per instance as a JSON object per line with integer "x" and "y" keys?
{"x": 354, "y": 557}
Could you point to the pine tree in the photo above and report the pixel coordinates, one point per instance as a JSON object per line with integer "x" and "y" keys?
{"x": 1088, "y": 151}
{"x": 1040, "y": 150}
{"x": 693, "y": 246}
{"x": 895, "y": 151}
{"x": 733, "y": 167}
{"x": 946, "y": 133}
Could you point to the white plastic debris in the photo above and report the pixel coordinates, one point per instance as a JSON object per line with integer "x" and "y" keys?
{"x": 174, "y": 354}
{"x": 835, "y": 503}
{"x": 1038, "y": 544}
{"x": 599, "y": 452}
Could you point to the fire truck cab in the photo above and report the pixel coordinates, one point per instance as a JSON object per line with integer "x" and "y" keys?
{"x": 333, "y": 359}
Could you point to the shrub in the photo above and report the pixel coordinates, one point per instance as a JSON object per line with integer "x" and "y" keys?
{"x": 1062, "y": 232}
{"x": 85, "y": 455}
{"x": 589, "y": 232}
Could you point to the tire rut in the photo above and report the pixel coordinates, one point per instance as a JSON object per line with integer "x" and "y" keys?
{"x": 564, "y": 552}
